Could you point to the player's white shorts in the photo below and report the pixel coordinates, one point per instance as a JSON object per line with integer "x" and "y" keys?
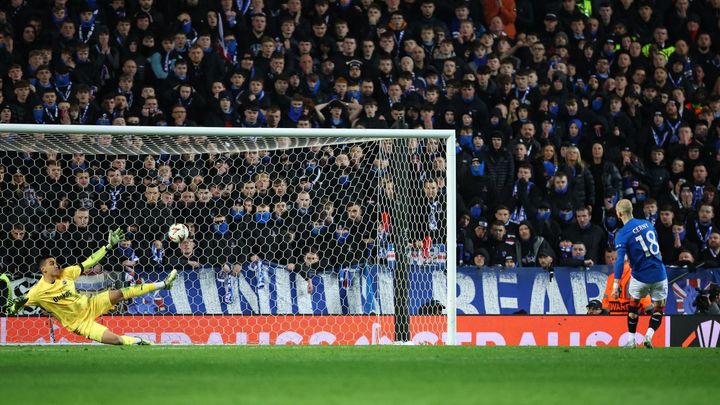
{"x": 658, "y": 291}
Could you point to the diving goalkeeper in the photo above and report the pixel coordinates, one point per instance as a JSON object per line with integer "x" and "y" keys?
{"x": 56, "y": 294}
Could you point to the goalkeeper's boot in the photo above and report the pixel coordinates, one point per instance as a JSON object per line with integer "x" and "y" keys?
{"x": 170, "y": 279}
{"x": 144, "y": 342}
{"x": 647, "y": 342}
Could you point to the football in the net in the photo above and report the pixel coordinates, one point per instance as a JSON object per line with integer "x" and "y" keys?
{"x": 178, "y": 233}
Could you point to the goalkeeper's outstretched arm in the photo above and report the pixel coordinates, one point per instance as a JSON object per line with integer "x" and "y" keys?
{"x": 17, "y": 304}
{"x": 10, "y": 304}
{"x": 114, "y": 237}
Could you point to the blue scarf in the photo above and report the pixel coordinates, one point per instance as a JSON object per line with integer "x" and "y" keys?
{"x": 465, "y": 141}
{"x": 479, "y": 170}
{"x": 314, "y": 89}
{"x": 157, "y": 254}
{"x": 237, "y": 214}
{"x": 262, "y": 217}
{"x": 315, "y": 231}
{"x": 566, "y": 217}
{"x": 341, "y": 236}
{"x": 129, "y": 252}
{"x": 221, "y": 228}
{"x": 295, "y": 113}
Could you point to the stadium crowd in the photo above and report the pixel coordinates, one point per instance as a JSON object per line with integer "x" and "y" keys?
{"x": 560, "y": 109}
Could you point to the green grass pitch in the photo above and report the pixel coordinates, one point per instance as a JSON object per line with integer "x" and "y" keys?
{"x": 356, "y": 375}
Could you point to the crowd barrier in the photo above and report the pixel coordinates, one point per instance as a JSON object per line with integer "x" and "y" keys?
{"x": 478, "y": 330}
{"x": 262, "y": 304}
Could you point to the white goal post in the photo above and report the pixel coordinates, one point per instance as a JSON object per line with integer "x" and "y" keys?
{"x": 402, "y": 181}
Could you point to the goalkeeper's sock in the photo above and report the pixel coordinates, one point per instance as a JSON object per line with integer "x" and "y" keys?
{"x": 129, "y": 340}
{"x": 140, "y": 289}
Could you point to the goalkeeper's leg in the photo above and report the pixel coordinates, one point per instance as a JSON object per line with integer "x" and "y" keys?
{"x": 141, "y": 289}
{"x": 102, "y": 334}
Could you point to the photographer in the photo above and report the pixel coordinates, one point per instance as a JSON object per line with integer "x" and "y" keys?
{"x": 708, "y": 301}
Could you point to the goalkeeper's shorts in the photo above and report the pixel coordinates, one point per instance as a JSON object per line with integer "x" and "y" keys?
{"x": 97, "y": 306}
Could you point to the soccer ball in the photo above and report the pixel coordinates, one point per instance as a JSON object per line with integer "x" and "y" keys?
{"x": 178, "y": 233}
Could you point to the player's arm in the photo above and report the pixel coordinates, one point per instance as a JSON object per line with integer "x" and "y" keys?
{"x": 114, "y": 237}
{"x": 619, "y": 264}
{"x": 620, "y": 248}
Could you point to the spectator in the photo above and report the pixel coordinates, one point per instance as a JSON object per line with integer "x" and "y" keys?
{"x": 187, "y": 257}
{"x": 308, "y": 268}
{"x": 701, "y": 228}
{"x": 685, "y": 258}
{"x": 499, "y": 246}
{"x": 478, "y": 186}
{"x": 156, "y": 217}
{"x": 480, "y": 259}
{"x": 595, "y": 307}
{"x": 545, "y": 261}
{"x": 82, "y": 237}
{"x": 19, "y": 251}
{"x": 525, "y": 195}
{"x": 606, "y": 177}
{"x": 531, "y": 245}
{"x": 500, "y": 165}
{"x": 709, "y": 256}
{"x": 578, "y": 257}
{"x": 351, "y": 237}
{"x": 579, "y": 175}
{"x": 591, "y": 236}
{"x": 115, "y": 197}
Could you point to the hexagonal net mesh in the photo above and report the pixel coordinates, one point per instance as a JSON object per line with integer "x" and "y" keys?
{"x": 292, "y": 240}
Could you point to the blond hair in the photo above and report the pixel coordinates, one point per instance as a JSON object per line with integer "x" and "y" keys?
{"x": 579, "y": 162}
{"x": 624, "y": 207}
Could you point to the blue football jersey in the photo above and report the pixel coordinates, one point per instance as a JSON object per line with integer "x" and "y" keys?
{"x": 639, "y": 240}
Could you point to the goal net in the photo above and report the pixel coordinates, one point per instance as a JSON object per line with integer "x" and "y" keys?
{"x": 296, "y": 236}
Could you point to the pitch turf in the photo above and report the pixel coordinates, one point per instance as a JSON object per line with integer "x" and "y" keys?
{"x": 355, "y": 375}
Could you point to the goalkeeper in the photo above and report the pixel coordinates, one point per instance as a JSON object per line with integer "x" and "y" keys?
{"x": 56, "y": 294}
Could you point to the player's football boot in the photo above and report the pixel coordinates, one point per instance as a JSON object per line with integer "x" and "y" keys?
{"x": 170, "y": 279}
{"x": 630, "y": 343}
{"x": 647, "y": 342}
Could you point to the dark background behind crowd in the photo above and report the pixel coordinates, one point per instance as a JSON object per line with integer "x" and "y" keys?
{"x": 560, "y": 108}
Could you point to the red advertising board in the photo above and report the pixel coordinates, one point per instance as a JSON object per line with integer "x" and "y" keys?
{"x": 537, "y": 330}
{"x": 498, "y": 330}
{"x": 208, "y": 329}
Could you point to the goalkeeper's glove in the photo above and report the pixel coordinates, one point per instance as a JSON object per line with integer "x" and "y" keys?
{"x": 17, "y": 304}
{"x": 114, "y": 237}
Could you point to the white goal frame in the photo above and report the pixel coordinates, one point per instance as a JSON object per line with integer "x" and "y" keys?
{"x": 448, "y": 136}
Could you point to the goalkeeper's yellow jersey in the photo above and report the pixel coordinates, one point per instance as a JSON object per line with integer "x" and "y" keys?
{"x": 60, "y": 298}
